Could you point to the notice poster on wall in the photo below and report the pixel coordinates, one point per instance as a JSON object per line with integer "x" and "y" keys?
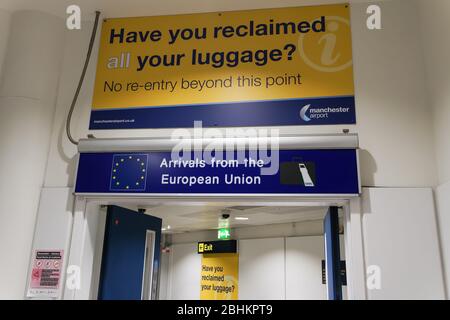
{"x": 45, "y": 274}
{"x": 219, "y": 276}
{"x": 284, "y": 66}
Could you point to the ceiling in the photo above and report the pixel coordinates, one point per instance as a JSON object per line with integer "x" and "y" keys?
{"x": 186, "y": 218}
{"x": 129, "y": 8}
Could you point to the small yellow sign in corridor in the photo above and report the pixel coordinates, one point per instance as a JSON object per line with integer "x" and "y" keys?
{"x": 219, "y": 276}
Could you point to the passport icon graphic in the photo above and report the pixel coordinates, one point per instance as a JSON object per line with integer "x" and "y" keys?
{"x": 298, "y": 173}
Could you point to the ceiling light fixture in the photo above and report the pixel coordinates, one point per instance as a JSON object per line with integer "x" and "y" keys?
{"x": 241, "y": 218}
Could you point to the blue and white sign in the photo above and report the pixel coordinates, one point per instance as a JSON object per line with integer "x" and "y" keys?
{"x": 298, "y": 172}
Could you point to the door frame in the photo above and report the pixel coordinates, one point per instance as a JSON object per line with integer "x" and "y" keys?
{"x": 87, "y": 222}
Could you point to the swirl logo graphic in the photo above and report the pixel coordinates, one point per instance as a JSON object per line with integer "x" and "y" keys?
{"x": 303, "y": 111}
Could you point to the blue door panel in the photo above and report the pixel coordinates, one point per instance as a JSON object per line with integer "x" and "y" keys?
{"x": 124, "y": 252}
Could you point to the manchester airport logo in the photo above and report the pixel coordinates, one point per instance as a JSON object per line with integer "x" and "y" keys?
{"x": 129, "y": 172}
{"x": 321, "y": 113}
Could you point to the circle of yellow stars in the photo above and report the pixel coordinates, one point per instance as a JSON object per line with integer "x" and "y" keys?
{"x": 116, "y": 166}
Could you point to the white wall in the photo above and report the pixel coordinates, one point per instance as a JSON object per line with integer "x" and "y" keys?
{"x": 184, "y": 272}
{"x": 27, "y": 95}
{"x": 303, "y": 278}
{"x": 435, "y": 24}
{"x": 393, "y": 117}
{"x": 262, "y": 269}
{"x": 303, "y": 255}
{"x": 5, "y": 19}
{"x": 442, "y": 197}
{"x": 55, "y": 210}
{"x": 400, "y": 237}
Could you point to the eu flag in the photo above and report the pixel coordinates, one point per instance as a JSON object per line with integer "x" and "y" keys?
{"x": 129, "y": 172}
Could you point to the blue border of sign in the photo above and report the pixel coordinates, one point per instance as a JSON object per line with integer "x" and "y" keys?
{"x": 310, "y": 111}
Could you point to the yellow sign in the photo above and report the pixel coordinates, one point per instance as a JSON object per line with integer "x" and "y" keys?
{"x": 212, "y": 59}
{"x": 219, "y": 276}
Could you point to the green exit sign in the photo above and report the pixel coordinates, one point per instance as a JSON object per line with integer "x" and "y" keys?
{"x": 223, "y": 234}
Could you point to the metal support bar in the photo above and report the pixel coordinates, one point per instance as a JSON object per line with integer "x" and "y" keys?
{"x": 287, "y": 142}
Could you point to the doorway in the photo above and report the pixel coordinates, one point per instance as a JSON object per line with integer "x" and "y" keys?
{"x": 294, "y": 235}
